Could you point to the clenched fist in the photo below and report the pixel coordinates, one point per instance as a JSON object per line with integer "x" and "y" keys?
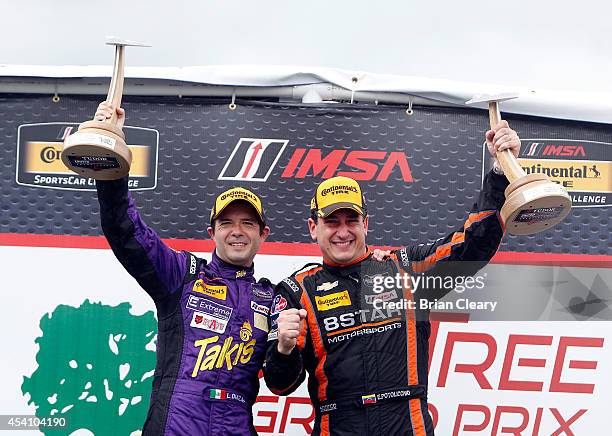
{"x": 289, "y": 323}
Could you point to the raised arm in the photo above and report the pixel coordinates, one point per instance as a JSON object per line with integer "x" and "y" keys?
{"x": 475, "y": 242}
{"x": 154, "y": 265}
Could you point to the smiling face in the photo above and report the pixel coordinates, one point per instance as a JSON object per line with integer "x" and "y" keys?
{"x": 341, "y": 235}
{"x": 237, "y": 234}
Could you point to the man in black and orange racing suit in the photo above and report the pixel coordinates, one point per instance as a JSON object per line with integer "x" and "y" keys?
{"x": 367, "y": 361}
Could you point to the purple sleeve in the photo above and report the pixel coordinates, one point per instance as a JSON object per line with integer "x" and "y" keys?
{"x": 157, "y": 268}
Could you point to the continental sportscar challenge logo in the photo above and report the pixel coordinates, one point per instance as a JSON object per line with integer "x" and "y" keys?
{"x": 582, "y": 167}
{"x": 39, "y": 164}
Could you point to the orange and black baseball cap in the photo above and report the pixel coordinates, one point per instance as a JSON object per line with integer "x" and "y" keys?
{"x": 337, "y": 193}
{"x": 235, "y": 194}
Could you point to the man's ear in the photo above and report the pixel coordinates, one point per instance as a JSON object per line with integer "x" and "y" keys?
{"x": 366, "y": 220}
{"x": 312, "y": 228}
{"x": 211, "y": 232}
{"x": 265, "y": 233}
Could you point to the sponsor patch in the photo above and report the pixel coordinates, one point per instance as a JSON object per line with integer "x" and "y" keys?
{"x": 327, "y": 286}
{"x": 404, "y": 257}
{"x": 332, "y": 301}
{"x": 260, "y": 322}
{"x": 273, "y": 335}
{"x": 192, "y": 265}
{"x": 259, "y": 308}
{"x": 328, "y": 407}
{"x": 203, "y": 305}
{"x": 246, "y": 331}
{"x": 218, "y": 292}
{"x": 241, "y": 273}
{"x": 294, "y": 287}
{"x": 211, "y": 357}
{"x": 385, "y": 296}
{"x": 264, "y": 294}
{"x": 279, "y": 304}
{"x": 208, "y": 322}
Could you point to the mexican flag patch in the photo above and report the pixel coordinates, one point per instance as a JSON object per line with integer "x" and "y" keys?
{"x": 218, "y": 394}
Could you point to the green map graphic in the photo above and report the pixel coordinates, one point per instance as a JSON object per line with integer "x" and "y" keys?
{"x": 95, "y": 368}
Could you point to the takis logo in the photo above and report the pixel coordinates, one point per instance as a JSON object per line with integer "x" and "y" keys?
{"x": 253, "y": 159}
{"x": 214, "y": 355}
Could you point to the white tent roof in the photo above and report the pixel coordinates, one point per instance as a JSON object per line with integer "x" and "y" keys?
{"x": 302, "y": 84}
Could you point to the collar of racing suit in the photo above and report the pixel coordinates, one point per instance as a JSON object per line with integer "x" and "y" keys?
{"x": 224, "y": 269}
{"x": 347, "y": 268}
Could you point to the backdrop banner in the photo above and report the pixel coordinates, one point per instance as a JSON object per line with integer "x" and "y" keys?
{"x": 79, "y": 335}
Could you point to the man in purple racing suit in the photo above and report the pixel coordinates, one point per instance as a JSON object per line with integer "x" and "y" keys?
{"x": 212, "y": 316}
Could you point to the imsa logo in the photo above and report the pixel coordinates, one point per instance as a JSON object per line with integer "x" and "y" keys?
{"x": 253, "y": 159}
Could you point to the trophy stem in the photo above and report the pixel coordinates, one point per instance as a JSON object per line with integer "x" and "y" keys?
{"x": 115, "y": 91}
{"x": 509, "y": 164}
{"x": 98, "y": 149}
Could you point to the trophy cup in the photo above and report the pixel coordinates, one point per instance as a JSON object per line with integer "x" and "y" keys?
{"x": 98, "y": 149}
{"x": 533, "y": 202}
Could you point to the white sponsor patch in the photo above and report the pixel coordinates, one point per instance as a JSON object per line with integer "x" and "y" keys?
{"x": 206, "y": 321}
{"x": 291, "y": 284}
{"x": 327, "y": 286}
{"x": 273, "y": 335}
{"x": 404, "y": 256}
{"x": 260, "y": 321}
{"x": 259, "y": 308}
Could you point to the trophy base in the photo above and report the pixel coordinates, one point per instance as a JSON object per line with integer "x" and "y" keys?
{"x": 533, "y": 204}
{"x": 97, "y": 150}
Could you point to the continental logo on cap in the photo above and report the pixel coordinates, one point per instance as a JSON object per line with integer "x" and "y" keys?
{"x": 218, "y": 292}
{"x": 331, "y": 301}
{"x": 234, "y": 194}
{"x": 342, "y": 188}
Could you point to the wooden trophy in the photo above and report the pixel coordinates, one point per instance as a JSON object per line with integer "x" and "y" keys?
{"x": 98, "y": 149}
{"x": 533, "y": 202}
